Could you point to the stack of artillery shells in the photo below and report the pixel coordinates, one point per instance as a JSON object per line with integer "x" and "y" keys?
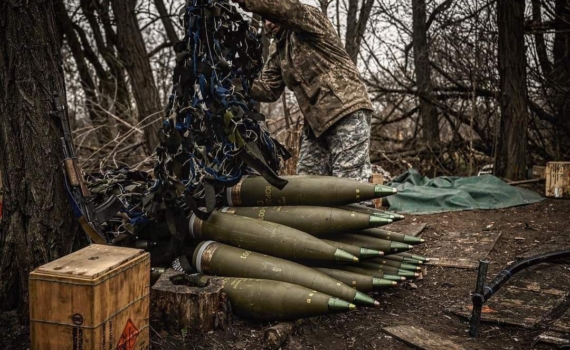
{"x": 302, "y": 251}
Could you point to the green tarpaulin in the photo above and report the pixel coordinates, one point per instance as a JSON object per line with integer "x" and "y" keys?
{"x": 418, "y": 194}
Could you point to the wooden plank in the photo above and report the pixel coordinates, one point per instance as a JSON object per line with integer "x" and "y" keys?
{"x": 456, "y": 263}
{"x": 553, "y": 338}
{"x": 410, "y": 229}
{"x": 462, "y": 250}
{"x": 90, "y": 262}
{"x": 545, "y": 248}
{"x": 417, "y": 231}
{"x": 420, "y": 338}
{"x": 515, "y": 306}
{"x": 562, "y": 325}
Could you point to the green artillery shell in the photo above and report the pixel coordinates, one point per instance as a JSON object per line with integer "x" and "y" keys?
{"x": 414, "y": 257}
{"x": 374, "y": 211}
{"x": 374, "y": 273}
{"x": 392, "y": 236}
{"x": 358, "y": 281}
{"x": 388, "y": 269}
{"x": 396, "y": 257}
{"x": 316, "y": 221}
{"x": 156, "y": 272}
{"x": 359, "y": 252}
{"x": 324, "y": 191}
{"x": 372, "y": 243}
{"x": 223, "y": 260}
{"x": 265, "y": 237}
{"x": 395, "y": 264}
{"x": 267, "y": 300}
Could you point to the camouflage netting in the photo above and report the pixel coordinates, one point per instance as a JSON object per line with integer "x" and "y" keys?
{"x": 212, "y": 134}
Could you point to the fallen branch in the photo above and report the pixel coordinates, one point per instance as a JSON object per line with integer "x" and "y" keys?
{"x": 523, "y": 182}
{"x": 274, "y": 337}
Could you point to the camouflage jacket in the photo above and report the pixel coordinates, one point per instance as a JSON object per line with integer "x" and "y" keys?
{"x": 309, "y": 58}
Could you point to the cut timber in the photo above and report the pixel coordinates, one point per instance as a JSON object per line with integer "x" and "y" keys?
{"x": 275, "y": 336}
{"x": 420, "y": 338}
{"x": 177, "y": 304}
{"x": 462, "y": 250}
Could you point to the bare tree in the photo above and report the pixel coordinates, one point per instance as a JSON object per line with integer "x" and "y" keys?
{"x": 554, "y": 61}
{"x": 92, "y": 102}
{"x": 165, "y": 18}
{"x": 356, "y": 22}
{"x": 428, "y": 111}
{"x": 134, "y": 56}
{"x": 115, "y": 97}
{"x": 511, "y": 159}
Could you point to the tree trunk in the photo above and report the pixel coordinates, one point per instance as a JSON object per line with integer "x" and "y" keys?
{"x": 37, "y": 224}
{"x": 133, "y": 54}
{"x": 324, "y": 5}
{"x": 428, "y": 111}
{"x": 356, "y": 26}
{"x": 556, "y": 73}
{"x": 511, "y": 150}
{"x": 96, "y": 115}
{"x": 115, "y": 95}
{"x": 166, "y": 22}
{"x": 561, "y": 75}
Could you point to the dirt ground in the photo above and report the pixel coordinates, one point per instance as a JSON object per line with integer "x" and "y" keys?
{"x": 423, "y": 306}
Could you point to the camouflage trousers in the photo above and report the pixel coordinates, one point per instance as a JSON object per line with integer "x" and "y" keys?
{"x": 341, "y": 151}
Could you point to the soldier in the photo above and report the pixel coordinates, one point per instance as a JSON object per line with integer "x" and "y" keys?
{"x": 309, "y": 58}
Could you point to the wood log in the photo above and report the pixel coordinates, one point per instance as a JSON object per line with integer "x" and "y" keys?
{"x": 178, "y": 302}
{"x": 275, "y": 336}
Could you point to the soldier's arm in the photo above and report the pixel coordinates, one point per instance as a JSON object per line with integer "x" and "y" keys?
{"x": 269, "y": 86}
{"x": 289, "y": 14}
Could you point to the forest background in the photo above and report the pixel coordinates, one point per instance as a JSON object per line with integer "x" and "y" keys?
{"x": 455, "y": 84}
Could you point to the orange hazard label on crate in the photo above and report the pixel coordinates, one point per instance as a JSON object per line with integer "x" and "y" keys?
{"x": 128, "y": 339}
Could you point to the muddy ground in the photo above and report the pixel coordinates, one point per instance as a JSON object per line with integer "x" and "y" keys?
{"x": 423, "y": 306}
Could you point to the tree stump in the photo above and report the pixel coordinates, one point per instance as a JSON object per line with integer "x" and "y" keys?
{"x": 179, "y": 301}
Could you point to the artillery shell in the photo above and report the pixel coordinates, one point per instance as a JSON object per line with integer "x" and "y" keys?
{"x": 324, "y": 191}
{"x": 218, "y": 259}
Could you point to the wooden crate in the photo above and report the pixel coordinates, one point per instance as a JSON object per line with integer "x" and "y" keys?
{"x": 557, "y": 179}
{"x": 377, "y": 179}
{"x": 94, "y": 299}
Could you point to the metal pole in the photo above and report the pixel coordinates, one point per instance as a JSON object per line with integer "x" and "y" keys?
{"x": 478, "y": 298}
